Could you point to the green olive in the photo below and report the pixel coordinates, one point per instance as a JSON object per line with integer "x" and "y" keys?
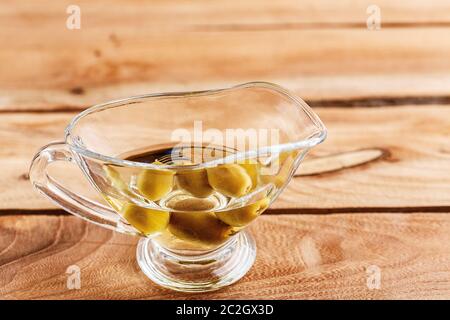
{"x": 195, "y": 182}
{"x": 285, "y": 161}
{"x": 278, "y": 179}
{"x": 242, "y": 216}
{"x": 252, "y": 169}
{"x": 155, "y": 184}
{"x": 147, "y": 221}
{"x": 199, "y": 227}
{"x": 229, "y": 179}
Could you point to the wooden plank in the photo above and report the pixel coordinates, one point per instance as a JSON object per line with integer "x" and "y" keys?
{"x": 410, "y": 174}
{"x": 416, "y": 141}
{"x": 204, "y": 13}
{"x": 79, "y": 68}
{"x": 299, "y": 257}
{"x": 22, "y": 135}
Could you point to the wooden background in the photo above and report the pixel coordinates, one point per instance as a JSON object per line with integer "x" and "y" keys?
{"x": 377, "y": 192}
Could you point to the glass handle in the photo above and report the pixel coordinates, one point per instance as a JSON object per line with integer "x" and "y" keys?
{"x": 79, "y": 206}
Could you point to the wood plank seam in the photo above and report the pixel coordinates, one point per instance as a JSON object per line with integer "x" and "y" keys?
{"x": 309, "y": 26}
{"x": 274, "y": 211}
{"x": 362, "y": 102}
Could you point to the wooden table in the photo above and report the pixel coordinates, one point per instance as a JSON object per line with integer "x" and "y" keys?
{"x": 378, "y": 190}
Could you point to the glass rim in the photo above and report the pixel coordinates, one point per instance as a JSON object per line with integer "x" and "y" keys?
{"x": 307, "y": 143}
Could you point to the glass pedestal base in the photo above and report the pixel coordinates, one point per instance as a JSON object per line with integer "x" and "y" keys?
{"x": 197, "y": 273}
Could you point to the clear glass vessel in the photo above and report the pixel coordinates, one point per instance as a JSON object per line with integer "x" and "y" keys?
{"x": 187, "y": 172}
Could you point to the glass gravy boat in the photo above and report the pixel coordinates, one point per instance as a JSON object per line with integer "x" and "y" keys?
{"x": 187, "y": 172}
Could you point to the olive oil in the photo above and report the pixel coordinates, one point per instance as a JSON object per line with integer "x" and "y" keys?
{"x": 187, "y": 206}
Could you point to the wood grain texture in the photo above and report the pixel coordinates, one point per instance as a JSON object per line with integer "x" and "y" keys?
{"x": 322, "y": 51}
{"x": 100, "y": 62}
{"x": 412, "y": 173}
{"x": 338, "y": 161}
{"x": 301, "y": 256}
{"x": 204, "y": 13}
